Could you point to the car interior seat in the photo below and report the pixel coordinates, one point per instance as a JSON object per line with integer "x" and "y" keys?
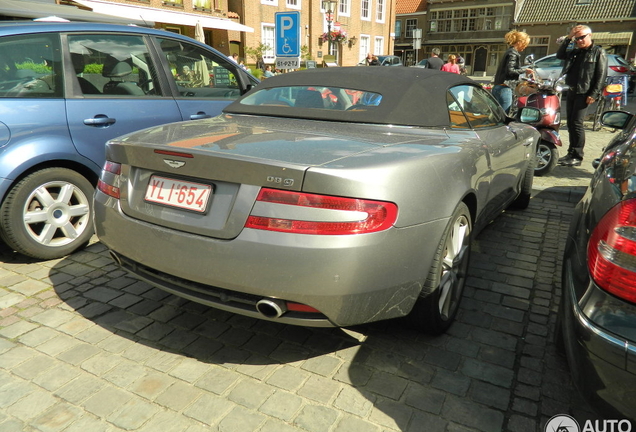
{"x": 116, "y": 71}
{"x": 309, "y": 99}
{"x": 78, "y": 64}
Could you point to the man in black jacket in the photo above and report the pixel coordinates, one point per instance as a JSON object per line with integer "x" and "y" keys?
{"x": 586, "y": 69}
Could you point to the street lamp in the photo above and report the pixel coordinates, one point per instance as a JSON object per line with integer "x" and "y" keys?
{"x": 329, "y": 6}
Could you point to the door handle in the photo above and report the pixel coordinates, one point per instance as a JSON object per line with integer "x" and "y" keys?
{"x": 200, "y": 115}
{"x": 100, "y": 120}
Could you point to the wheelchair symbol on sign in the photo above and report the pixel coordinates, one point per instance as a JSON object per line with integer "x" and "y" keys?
{"x": 286, "y": 47}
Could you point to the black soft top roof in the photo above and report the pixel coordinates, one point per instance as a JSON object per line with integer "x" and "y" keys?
{"x": 410, "y": 96}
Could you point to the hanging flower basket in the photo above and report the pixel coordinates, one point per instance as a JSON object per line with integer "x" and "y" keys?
{"x": 334, "y": 36}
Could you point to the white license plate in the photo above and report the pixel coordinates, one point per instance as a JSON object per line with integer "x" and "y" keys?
{"x": 178, "y": 193}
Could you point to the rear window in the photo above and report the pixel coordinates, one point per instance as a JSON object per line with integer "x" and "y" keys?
{"x": 617, "y": 61}
{"x": 314, "y": 97}
{"x": 30, "y": 66}
{"x": 549, "y": 62}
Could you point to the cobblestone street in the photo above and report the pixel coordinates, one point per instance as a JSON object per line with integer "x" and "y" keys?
{"x": 84, "y": 347}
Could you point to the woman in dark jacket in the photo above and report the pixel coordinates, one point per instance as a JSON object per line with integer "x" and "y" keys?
{"x": 510, "y": 68}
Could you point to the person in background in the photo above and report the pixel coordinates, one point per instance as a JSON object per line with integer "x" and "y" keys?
{"x": 233, "y": 57}
{"x": 268, "y": 71}
{"x": 585, "y": 67}
{"x": 450, "y": 65}
{"x": 509, "y": 68}
{"x": 434, "y": 62}
{"x": 374, "y": 61}
{"x": 242, "y": 65}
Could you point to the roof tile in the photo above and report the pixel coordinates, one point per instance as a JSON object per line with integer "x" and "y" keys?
{"x": 546, "y": 11}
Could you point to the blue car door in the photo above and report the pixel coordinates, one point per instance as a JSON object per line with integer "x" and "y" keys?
{"x": 113, "y": 88}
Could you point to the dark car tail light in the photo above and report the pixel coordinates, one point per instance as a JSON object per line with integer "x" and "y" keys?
{"x": 379, "y": 216}
{"x": 611, "y": 252}
{"x": 106, "y": 188}
{"x": 620, "y": 69}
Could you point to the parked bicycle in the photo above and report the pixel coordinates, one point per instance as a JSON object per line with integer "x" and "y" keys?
{"x": 614, "y": 97}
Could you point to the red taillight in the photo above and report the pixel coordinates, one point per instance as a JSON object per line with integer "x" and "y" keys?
{"x": 620, "y": 69}
{"x": 611, "y": 252}
{"x": 112, "y": 167}
{"x": 364, "y": 216}
{"x": 104, "y": 187}
{"x": 108, "y": 189}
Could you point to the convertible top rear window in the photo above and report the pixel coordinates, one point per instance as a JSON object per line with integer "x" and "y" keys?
{"x": 314, "y": 97}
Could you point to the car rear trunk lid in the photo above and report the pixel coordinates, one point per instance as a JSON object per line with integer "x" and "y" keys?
{"x": 233, "y": 159}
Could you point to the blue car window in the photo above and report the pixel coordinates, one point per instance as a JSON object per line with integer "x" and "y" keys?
{"x": 108, "y": 65}
{"x": 199, "y": 74}
{"x": 30, "y": 66}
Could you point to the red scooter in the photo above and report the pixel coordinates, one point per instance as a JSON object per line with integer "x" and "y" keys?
{"x": 546, "y": 96}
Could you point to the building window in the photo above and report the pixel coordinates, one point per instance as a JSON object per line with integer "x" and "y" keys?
{"x": 379, "y": 46}
{"x": 398, "y": 28}
{"x": 293, "y": 4}
{"x": 365, "y": 12}
{"x": 365, "y": 46}
{"x": 411, "y": 25}
{"x": 270, "y": 2}
{"x": 204, "y": 5}
{"x": 379, "y": 11}
{"x": 344, "y": 7}
{"x": 583, "y": 2}
{"x": 267, "y": 38}
{"x": 470, "y": 19}
{"x": 176, "y": 3}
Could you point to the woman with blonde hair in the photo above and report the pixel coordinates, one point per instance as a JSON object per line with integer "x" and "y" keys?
{"x": 451, "y": 64}
{"x": 510, "y": 68}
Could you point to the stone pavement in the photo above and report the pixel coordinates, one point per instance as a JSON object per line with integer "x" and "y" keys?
{"x": 84, "y": 347}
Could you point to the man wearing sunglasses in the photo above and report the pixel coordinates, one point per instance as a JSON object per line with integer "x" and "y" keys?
{"x": 586, "y": 69}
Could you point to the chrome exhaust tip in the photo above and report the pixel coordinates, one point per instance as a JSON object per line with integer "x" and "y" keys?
{"x": 115, "y": 258}
{"x": 271, "y": 308}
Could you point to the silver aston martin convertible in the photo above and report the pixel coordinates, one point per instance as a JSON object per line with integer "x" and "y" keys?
{"x": 325, "y": 197}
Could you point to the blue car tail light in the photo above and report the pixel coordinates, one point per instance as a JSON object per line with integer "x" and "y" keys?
{"x": 611, "y": 251}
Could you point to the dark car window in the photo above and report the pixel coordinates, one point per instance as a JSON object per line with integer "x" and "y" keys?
{"x": 549, "y": 62}
{"x": 107, "y": 65}
{"x": 198, "y": 73}
{"x": 30, "y": 66}
{"x": 315, "y": 97}
{"x": 479, "y": 107}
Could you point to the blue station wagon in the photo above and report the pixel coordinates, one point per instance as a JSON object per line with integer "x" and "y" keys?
{"x": 66, "y": 89}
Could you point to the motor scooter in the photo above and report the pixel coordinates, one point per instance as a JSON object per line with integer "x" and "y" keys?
{"x": 544, "y": 94}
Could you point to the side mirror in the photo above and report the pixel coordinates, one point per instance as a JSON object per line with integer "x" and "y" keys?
{"x": 529, "y": 115}
{"x": 616, "y": 119}
{"x": 560, "y": 84}
{"x": 529, "y": 59}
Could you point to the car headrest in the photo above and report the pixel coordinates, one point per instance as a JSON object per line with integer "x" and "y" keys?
{"x": 78, "y": 62}
{"x": 116, "y": 69}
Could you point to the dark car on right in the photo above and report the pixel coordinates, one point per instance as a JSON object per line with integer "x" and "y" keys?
{"x": 596, "y": 324}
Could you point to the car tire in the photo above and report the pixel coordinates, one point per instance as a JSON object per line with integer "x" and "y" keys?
{"x": 546, "y": 159}
{"x": 436, "y": 308}
{"x": 525, "y": 193}
{"x": 48, "y": 214}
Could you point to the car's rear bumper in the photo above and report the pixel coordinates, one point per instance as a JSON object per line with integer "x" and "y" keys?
{"x": 603, "y": 363}
{"x": 350, "y": 279}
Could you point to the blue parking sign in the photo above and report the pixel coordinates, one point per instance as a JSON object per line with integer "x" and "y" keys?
{"x": 287, "y": 34}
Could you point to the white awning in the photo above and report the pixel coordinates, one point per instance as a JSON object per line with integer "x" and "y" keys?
{"x": 162, "y": 16}
{"x": 607, "y": 38}
{"x": 38, "y": 9}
